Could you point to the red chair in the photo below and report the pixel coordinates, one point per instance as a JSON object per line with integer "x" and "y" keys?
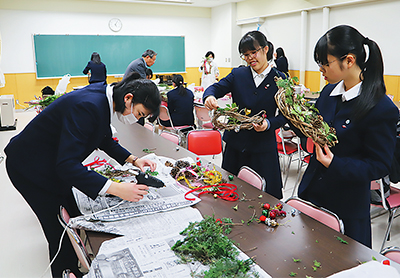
{"x": 304, "y": 160}
{"x": 76, "y": 241}
{"x": 286, "y": 148}
{"x": 252, "y": 177}
{"x": 171, "y": 137}
{"x": 320, "y": 214}
{"x": 203, "y": 117}
{"x": 204, "y": 142}
{"x": 392, "y": 253}
{"x": 390, "y": 204}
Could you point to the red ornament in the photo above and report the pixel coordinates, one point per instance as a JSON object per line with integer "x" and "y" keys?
{"x": 386, "y": 262}
{"x": 262, "y": 218}
{"x": 218, "y": 220}
{"x": 272, "y": 214}
{"x": 266, "y": 206}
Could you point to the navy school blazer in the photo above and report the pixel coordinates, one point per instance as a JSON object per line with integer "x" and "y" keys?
{"x": 246, "y": 95}
{"x": 53, "y": 145}
{"x": 364, "y": 153}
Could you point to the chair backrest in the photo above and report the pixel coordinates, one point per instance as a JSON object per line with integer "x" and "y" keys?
{"x": 392, "y": 253}
{"x": 278, "y": 136}
{"x": 76, "y": 241}
{"x": 252, "y": 177}
{"x": 309, "y": 145}
{"x": 68, "y": 274}
{"x": 164, "y": 114}
{"x": 320, "y": 214}
{"x": 204, "y": 142}
{"x": 171, "y": 137}
{"x": 149, "y": 126}
{"x": 202, "y": 113}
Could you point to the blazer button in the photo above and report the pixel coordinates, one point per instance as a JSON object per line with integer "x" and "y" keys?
{"x": 255, "y": 93}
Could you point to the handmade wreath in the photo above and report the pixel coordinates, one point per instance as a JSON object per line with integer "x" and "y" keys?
{"x": 234, "y": 119}
{"x": 302, "y": 114}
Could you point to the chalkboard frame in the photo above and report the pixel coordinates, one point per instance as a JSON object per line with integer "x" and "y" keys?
{"x": 57, "y": 55}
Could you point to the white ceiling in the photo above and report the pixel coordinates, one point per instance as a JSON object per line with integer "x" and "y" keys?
{"x": 189, "y": 3}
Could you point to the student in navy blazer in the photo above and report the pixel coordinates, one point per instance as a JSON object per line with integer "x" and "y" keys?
{"x": 254, "y": 88}
{"x": 44, "y": 160}
{"x": 98, "y": 71}
{"x": 180, "y": 104}
{"x": 356, "y": 105}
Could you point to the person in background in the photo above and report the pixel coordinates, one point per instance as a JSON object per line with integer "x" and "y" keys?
{"x": 253, "y": 87}
{"x": 356, "y": 105}
{"x": 281, "y": 61}
{"x": 96, "y": 69}
{"x": 149, "y": 73}
{"x": 180, "y": 104}
{"x": 141, "y": 64}
{"x": 60, "y": 138}
{"x": 209, "y": 70}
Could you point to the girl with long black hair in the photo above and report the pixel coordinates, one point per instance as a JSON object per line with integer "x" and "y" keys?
{"x": 355, "y": 104}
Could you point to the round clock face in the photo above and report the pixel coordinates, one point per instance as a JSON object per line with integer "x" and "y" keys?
{"x": 115, "y": 24}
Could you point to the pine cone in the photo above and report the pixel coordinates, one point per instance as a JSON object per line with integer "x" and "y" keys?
{"x": 182, "y": 164}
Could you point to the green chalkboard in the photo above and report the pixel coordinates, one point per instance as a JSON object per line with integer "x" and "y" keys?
{"x": 57, "y": 55}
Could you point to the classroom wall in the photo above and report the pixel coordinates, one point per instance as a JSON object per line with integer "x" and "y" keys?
{"x": 218, "y": 29}
{"x": 17, "y": 48}
{"x": 374, "y": 19}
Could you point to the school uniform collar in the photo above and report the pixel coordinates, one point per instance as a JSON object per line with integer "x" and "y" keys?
{"x": 346, "y": 95}
{"x": 109, "y": 94}
{"x": 261, "y": 75}
{"x": 259, "y": 78}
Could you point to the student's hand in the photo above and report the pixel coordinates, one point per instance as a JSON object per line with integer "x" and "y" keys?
{"x": 325, "y": 156}
{"x": 132, "y": 192}
{"x": 211, "y": 103}
{"x": 141, "y": 163}
{"x": 261, "y": 127}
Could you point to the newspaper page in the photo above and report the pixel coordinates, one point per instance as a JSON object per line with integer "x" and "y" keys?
{"x": 112, "y": 208}
{"x": 140, "y": 255}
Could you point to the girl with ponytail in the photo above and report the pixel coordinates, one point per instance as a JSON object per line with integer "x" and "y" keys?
{"x": 355, "y": 104}
{"x": 180, "y": 104}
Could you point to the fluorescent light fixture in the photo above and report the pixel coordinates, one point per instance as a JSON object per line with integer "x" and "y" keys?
{"x": 152, "y": 1}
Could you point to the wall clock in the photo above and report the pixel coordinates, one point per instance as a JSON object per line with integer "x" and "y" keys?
{"x": 115, "y": 24}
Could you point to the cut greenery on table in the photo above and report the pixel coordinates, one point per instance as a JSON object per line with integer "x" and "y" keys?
{"x": 302, "y": 114}
{"x": 206, "y": 243}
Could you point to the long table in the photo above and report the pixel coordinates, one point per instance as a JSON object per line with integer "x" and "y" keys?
{"x": 274, "y": 249}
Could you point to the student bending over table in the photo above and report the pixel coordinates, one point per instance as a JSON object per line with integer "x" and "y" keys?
{"x": 44, "y": 161}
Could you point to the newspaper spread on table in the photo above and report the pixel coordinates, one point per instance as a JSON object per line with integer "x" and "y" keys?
{"x": 149, "y": 227}
{"x": 146, "y": 251}
{"x": 112, "y": 208}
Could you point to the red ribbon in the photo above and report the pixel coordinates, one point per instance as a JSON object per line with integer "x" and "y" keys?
{"x": 225, "y": 191}
{"x": 97, "y": 163}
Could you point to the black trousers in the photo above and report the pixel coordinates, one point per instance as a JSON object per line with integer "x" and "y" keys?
{"x": 45, "y": 205}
